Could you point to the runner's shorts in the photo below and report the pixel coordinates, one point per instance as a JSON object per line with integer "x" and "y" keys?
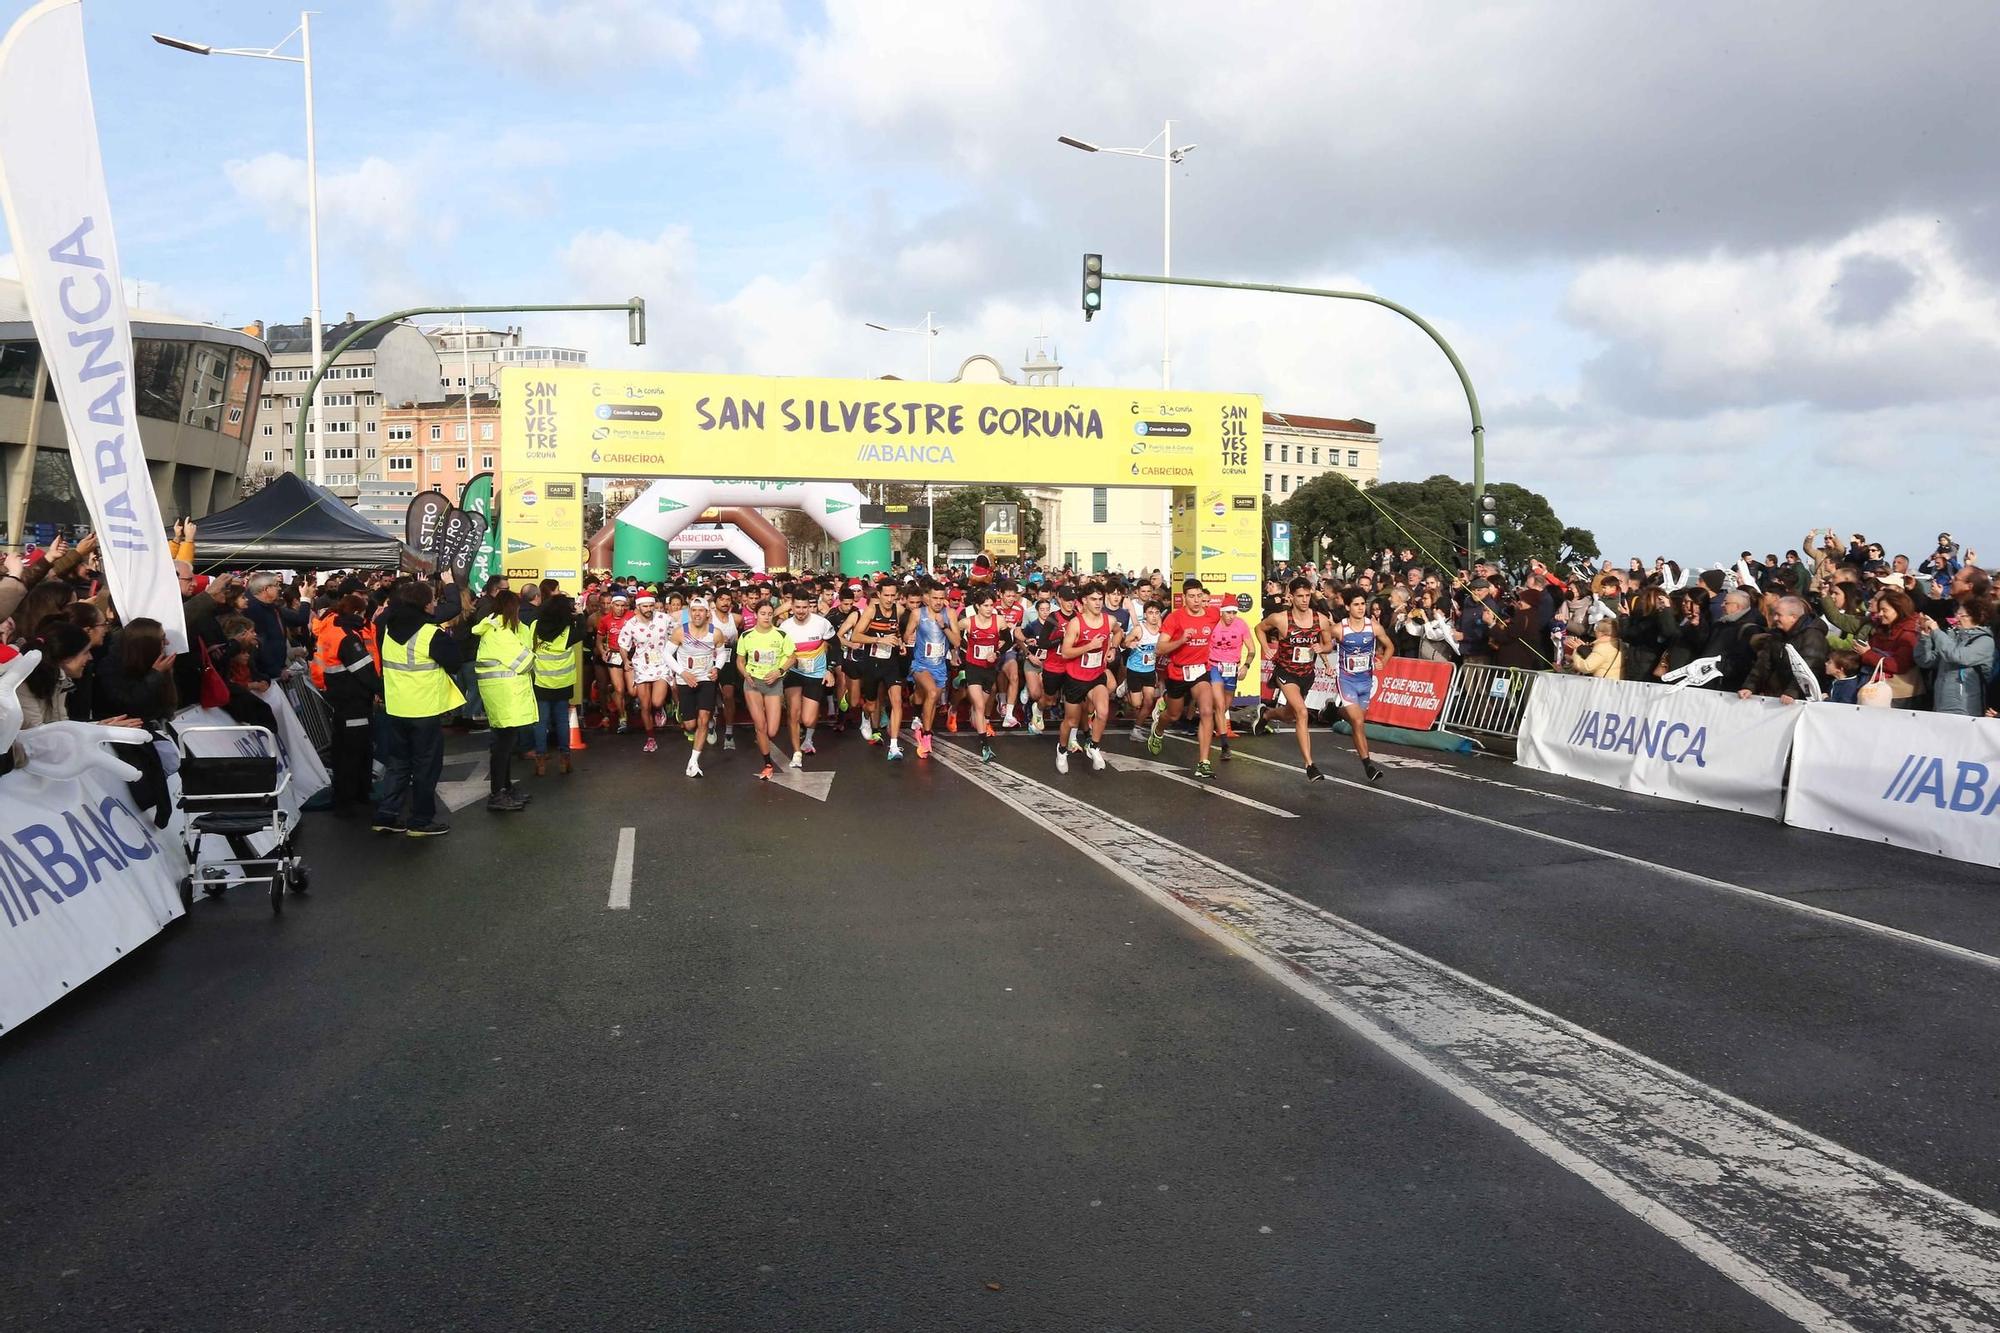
{"x": 1178, "y": 687}
{"x": 1357, "y": 690}
{"x": 1280, "y": 679}
{"x": 1077, "y": 691}
{"x": 985, "y": 677}
{"x": 697, "y": 698}
{"x": 812, "y": 688}
{"x": 1135, "y": 681}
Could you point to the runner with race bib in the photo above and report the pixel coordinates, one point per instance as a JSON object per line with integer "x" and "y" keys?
{"x": 1357, "y": 641}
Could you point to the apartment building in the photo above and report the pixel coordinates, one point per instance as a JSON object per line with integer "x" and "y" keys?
{"x": 1299, "y": 449}
{"x": 391, "y": 365}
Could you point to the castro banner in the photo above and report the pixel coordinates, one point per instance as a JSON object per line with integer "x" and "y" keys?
{"x": 1927, "y": 781}
{"x": 1700, "y": 746}
{"x": 52, "y": 184}
{"x": 84, "y": 879}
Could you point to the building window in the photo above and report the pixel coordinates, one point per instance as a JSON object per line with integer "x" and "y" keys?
{"x": 267, "y": 455}
{"x": 371, "y": 428}
{"x": 1315, "y": 454}
{"x": 1267, "y": 451}
{"x": 1267, "y": 483}
{"x": 458, "y": 433}
{"x": 486, "y": 462}
{"x": 1100, "y": 503}
{"x": 371, "y": 451}
{"x": 486, "y": 430}
{"x": 1285, "y": 482}
{"x": 437, "y": 433}
{"x": 435, "y": 465}
{"x": 1100, "y": 561}
{"x": 401, "y": 433}
{"x": 459, "y": 462}
{"x": 1354, "y": 458}
{"x": 401, "y": 463}
{"x": 267, "y": 428}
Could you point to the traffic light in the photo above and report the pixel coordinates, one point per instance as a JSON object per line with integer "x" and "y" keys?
{"x": 1489, "y": 520}
{"x": 1093, "y": 285}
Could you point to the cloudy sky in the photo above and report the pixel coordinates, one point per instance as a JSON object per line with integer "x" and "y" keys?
{"x": 1720, "y": 272}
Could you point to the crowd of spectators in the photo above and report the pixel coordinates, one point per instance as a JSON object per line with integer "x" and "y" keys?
{"x": 1841, "y": 614}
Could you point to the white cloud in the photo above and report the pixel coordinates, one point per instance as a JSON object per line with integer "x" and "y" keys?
{"x": 1885, "y": 316}
{"x": 566, "y": 39}
{"x": 372, "y": 204}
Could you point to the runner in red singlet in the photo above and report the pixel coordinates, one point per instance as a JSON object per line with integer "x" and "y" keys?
{"x": 1087, "y": 644}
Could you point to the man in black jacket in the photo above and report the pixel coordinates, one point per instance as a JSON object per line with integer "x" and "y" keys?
{"x": 419, "y": 658}
{"x": 1772, "y": 674}
{"x": 1729, "y": 640}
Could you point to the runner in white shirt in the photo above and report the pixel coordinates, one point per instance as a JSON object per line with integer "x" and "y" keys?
{"x": 729, "y": 679}
{"x": 647, "y": 642}
{"x": 805, "y": 682}
{"x": 697, "y": 648}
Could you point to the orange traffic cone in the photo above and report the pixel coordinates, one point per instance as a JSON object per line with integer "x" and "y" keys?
{"x": 576, "y": 731}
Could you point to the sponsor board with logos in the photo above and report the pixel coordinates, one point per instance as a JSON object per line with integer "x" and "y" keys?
{"x": 563, "y": 425}
{"x": 1705, "y": 747}
{"x": 1927, "y": 781}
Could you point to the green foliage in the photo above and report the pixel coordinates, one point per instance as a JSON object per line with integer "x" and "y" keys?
{"x": 1429, "y": 515}
{"x": 958, "y": 515}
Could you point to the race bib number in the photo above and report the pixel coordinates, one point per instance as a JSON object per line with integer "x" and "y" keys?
{"x": 763, "y": 659}
{"x": 1193, "y": 673}
{"x": 1357, "y": 664}
{"x": 1145, "y": 659}
{"x": 934, "y": 652}
{"x": 1302, "y": 656}
{"x": 880, "y": 650}
{"x": 1093, "y": 659}
{"x": 1227, "y": 670}
{"x": 983, "y": 652}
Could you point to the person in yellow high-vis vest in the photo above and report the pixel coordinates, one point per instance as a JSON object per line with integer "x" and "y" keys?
{"x": 419, "y": 656}
{"x": 503, "y": 664}
{"x": 558, "y": 659}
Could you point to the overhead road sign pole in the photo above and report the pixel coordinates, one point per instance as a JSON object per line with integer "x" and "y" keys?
{"x": 635, "y": 313}
{"x": 1464, "y": 380}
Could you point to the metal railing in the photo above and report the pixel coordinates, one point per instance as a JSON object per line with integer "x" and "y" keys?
{"x": 1487, "y": 700}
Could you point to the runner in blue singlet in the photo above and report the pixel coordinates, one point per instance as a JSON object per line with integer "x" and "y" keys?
{"x": 1356, "y": 640}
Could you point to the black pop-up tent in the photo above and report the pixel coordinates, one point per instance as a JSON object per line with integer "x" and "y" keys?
{"x": 293, "y": 524}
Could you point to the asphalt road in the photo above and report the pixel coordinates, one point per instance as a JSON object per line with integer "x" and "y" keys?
{"x": 962, "y": 1049}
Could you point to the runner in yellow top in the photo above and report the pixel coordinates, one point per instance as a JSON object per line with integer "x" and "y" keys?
{"x": 764, "y": 652}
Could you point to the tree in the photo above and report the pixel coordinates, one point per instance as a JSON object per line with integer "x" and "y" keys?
{"x": 959, "y": 516}
{"x": 1429, "y": 516}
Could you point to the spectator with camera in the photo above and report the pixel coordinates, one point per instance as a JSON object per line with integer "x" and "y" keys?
{"x": 1959, "y": 654}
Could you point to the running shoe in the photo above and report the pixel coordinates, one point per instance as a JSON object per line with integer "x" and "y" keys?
{"x": 712, "y": 737}
{"x": 923, "y": 745}
{"x": 895, "y": 752}
{"x": 1372, "y": 769}
{"x": 1204, "y": 770}
{"x": 867, "y": 729}
{"x": 765, "y": 773}
{"x": 694, "y": 766}
{"x": 729, "y": 740}
{"x": 1075, "y": 746}
{"x": 807, "y": 747}
{"x": 986, "y": 750}
{"x": 659, "y": 717}
{"x": 798, "y": 760}
{"x": 1062, "y": 760}
{"x": 1154, "y": 741}
{"x": 1008, "y": 722}
{"x": 951, "y": 721}
{"x": 1035, "y": 723}
{"x": 875, "y": 738}
{"x": 623, "y": 726}
{"x": 1260, "y": 727}
{"x": 1096, "y": 758}
{"x": 1224, "y": 743}
{"x": 1313, "y": 774}
{"x": 651, "y": 745}
{"x": 1139, "y": 733}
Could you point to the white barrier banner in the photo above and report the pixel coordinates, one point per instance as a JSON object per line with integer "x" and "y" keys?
{"x": 1700, "y": 746}
{"x": 52, "y": 186}
{"x": 1927, "y": 781}
{"x": 84, "y": 879}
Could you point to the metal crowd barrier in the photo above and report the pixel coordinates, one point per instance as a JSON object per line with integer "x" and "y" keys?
{"x": 1487, "y": 700}
{"x": 315, "y": 714}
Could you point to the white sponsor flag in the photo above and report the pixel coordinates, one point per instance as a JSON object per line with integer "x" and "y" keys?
{"x": 52, "y": 184}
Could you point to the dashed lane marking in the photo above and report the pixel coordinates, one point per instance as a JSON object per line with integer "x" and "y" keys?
{"x": 621, "y": 872}
{"x": 1949, "y": 950}
{"x": 1827, "y": 1237}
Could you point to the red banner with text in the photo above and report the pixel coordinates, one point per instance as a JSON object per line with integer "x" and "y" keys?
{"x": 1409, "y": 692}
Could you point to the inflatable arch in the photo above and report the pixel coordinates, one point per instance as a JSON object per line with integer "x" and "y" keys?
{"x": 632, "y": 552}
{"x": 666, "y": 507}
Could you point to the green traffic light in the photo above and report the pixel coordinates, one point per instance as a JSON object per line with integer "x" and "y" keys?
{"x": 1487, "y": 536}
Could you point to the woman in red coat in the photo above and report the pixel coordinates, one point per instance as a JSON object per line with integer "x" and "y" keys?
{"x": 1893, "y": 646}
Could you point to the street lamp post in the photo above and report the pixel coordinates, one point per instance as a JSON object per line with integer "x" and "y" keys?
{"x": 1168, "y": 157}
{"x": 930, "y": 331}
{"x": 304, "y": 61}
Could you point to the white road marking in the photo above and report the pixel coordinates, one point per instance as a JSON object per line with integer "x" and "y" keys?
{"x": 816, "y": 783}
{"x": 1827, "y": 1237}
{"x": 455, "y": 796}
{"x": 621, "y": 872}
{"x": 1126, "y": 763}
{"x": 1956, "y": 951}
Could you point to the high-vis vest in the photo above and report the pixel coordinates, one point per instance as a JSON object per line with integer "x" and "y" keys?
{"x": 413, "y": 684}
{"x": 327, "y": 637}
{"x": 504, "y": 670}
{"x": 555, "y": 662}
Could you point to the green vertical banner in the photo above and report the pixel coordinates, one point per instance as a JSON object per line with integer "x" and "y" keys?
{"x": 867, "y": 554}
{"x": 637, "y": 554}
{"x": 477, "y": 498}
